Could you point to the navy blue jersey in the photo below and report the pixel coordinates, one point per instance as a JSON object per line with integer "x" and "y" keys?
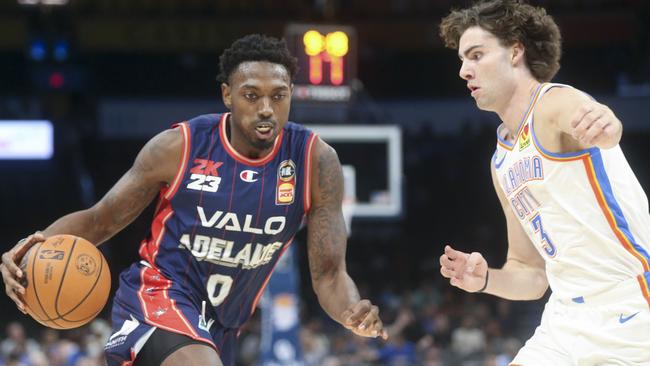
{"x": 219, "y": 229}
{"x": 223, "y": 223}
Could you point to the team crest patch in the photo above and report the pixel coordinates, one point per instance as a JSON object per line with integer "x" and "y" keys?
{"x": 524, "y": 138}
{"x": 286, "y": 185}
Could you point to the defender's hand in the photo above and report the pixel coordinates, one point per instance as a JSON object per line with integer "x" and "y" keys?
{"x": 594, "y": 124}
{"x": 466, "y": 271}
{"x": 362, "y": 319}
{"x": 11, "y": 273}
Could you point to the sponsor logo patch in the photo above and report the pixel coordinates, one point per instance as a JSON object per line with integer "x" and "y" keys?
{"x": 524, "y": 138}
{"x": 286, "y": 184}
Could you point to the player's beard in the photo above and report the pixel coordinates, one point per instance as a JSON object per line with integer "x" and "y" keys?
{"x": 262, "y": 144}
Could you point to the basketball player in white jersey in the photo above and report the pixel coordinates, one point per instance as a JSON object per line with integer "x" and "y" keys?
{"x": 576, "y": 215}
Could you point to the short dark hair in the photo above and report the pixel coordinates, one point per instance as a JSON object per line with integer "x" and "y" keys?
{"x": 511, "y": 21}
{"x": 256, "y": 47}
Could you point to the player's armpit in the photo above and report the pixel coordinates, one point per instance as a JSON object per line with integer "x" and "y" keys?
{"x": 155, "y": 166}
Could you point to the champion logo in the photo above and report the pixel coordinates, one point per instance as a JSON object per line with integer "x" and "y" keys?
{"x": 249, "y": 176}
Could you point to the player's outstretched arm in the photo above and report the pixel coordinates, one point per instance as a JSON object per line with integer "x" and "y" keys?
{"x": 155, "y": 165}
{"x": 326, "y": 243}
{"x": 588, "y": 122}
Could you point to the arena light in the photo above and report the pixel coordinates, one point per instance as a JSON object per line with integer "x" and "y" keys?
{"x": 337, "y": 44}
{"x": 61, "y": 50}
{"x": 21, "y": 140}
{"x": 37, "y": 50}
{"x": 43, "y": 2}
{"x": 314, "y": 43}
{"x": 326, "y": 58}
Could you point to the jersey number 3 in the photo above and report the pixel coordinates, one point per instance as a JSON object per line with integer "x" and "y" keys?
{"x": 547, "y": 244}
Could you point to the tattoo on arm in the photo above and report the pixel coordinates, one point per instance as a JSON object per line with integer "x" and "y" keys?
{"x": 327, "y": 233}
{"x": 330, "y": 177}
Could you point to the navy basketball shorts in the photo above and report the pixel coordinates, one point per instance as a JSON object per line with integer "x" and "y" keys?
{"x": 146, "y": 300}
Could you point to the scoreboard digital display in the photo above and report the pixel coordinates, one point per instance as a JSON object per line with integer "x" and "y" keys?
{"x": 327, "y": 61}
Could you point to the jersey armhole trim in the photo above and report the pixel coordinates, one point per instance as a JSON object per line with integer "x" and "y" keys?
{"x": 309, "y": 148}
{"x": 171, "y": 191}
{"x": 570, "y": 156}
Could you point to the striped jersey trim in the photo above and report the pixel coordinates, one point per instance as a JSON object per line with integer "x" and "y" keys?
{"x": 171, "y": 191}
{"x": 523, "y": 121}
{"x": 241, "y": 158}
{"x": 613, "y": 214}
{"x": 644, "y": 283}
{"x": 308, "y": 171}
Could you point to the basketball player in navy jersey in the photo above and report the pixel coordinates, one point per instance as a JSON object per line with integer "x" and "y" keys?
{"x": 577, "y": 217}
{"x": 233, "y": 190}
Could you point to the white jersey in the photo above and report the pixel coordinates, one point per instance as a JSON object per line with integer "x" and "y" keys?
{"x": 585, "y": 212}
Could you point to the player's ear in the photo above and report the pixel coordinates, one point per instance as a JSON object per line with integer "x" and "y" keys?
{"x": 225, "y": 95}
{"x": 517, "y": 51}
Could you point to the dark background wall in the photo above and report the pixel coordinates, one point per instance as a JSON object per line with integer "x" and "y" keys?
{"x": 166, "y": 53}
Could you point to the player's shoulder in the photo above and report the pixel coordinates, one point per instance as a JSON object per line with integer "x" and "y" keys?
{"x": 558, "y": 100}
{"x": 559, "y": 92}
{"x": 293, "y": 127}
{"x": 205, "y": 119}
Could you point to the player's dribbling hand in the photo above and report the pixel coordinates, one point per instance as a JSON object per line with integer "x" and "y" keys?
{"x": 594, "y": 124}
{"x": 465, "y": 271}
{"x": 11, "y": 273}
{"x": 362, "y": 319}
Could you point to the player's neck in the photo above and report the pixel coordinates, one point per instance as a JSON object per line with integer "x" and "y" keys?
{"x": 515, "y": 108}
{"x": 239, "y": 144}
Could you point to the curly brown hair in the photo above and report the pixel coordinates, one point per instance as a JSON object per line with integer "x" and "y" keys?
{"x": 511, "y": 21}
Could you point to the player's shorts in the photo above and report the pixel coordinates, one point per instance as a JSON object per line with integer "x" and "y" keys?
{"x": 610, "y": 328}
{"x": 146, "y": 300}
{"x": 161, "y": 345}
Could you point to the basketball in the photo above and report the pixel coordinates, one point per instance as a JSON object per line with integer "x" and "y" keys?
{"x": 66, "y": 281}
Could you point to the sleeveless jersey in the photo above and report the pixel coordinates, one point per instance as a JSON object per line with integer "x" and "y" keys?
{"x": 224, "y": 222}
{"x": 585, "y": 212}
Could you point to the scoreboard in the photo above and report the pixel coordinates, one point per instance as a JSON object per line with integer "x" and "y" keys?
{"x": 327, "y": 61}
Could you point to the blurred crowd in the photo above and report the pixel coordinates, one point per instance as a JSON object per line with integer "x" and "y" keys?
{"x": 48, "y": 347}
{"x": 428, "y": 326}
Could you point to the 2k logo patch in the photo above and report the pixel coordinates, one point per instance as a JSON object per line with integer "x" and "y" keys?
{"x": 206, "y": 167}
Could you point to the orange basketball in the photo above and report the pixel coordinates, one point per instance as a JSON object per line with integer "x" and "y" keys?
{"x": 66, "y": 281}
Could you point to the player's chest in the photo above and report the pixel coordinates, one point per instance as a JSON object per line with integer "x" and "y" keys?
{"x": 223, "y": 183}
